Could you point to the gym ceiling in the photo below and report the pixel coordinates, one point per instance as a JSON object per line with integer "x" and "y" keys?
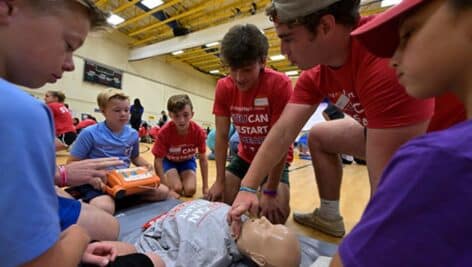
{"x": 189, "y": 31}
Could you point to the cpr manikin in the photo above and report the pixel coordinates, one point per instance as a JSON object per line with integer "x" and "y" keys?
{"x": 269, "y": 245}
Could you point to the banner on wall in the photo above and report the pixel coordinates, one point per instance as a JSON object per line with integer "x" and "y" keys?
{"x": 100, "y": 74}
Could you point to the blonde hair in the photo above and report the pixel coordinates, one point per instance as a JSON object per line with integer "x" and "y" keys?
{"x": 97, "y": 17}
{"x": 108, "y": 94}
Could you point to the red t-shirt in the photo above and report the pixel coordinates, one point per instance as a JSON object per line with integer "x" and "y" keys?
{"x": 143, "y": 131}
{"x": 85, "y": 123}
{"x": 154, "y": 132}
{"x": 366, "y": 88}
{"x": 62, "y": 118}
{"x": 254, "y": 111}
{"x": 176, "y": 147}
{"x": 448, "y": 111}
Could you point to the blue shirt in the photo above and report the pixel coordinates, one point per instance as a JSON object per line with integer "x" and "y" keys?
{"x": 98, "y": 141}
{"x": 28, "y": 202}
{"x": 421, "y": 212}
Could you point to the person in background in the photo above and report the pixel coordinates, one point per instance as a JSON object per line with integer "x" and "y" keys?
{"x": 163, "y": 118}
{"x": 64, "y": 127}
{"x": 136, "y": 110}
{"x": 88, "y": 121}
{"x": 154, "y": 131}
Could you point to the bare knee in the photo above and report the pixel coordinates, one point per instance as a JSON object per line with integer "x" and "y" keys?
{"x": 314, "y": 140}
{"x": 100, "y": 224}
{"x": 189, "y": 190}
{"x": 161, "y": 193}
{"x": 105, "y": 203}
{"x": 177, "y": 188}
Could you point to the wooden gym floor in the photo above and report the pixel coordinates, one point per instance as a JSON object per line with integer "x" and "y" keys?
{"x": 303, "y": 191}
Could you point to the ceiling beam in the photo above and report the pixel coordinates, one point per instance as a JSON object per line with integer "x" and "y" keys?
{"x": 197, "y": 38}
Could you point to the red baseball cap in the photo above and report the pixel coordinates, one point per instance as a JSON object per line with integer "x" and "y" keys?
{"x": 380, "y": 35}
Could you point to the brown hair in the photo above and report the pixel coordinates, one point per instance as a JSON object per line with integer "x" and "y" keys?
{"x": 243, "y": 45}
{"x": 61, "y": 97}
{"x": 177, "y": 103}
{"x": 108, "y": 94}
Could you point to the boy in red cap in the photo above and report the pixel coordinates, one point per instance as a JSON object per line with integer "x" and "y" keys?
{"x": 419, "y": 215}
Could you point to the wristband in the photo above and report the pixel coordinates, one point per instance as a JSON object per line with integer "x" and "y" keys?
{"x": 63, "y": 175}
{"x": 248, "y": 189}
{"x": 272, "y": 193}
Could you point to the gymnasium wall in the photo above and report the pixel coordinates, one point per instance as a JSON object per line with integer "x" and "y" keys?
{"x": 152, "y": 80}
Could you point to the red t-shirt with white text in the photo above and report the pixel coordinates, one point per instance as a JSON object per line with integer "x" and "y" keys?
{"x": 366, "y": 88}
{"x": 175, "y": 147}
{"x": 62, "y": 118}
{"x": 254, "y": 111}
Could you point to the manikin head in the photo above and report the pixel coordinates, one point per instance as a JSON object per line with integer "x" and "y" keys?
{"x": 269, "y": 245}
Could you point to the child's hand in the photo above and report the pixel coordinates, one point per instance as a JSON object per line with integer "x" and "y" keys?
{"x": 204, "y": 191}
{"x": 99, "y": 253}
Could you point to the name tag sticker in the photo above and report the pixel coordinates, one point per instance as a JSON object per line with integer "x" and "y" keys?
{"x": 175, "y": 149}
{"x": 260, "y": 102}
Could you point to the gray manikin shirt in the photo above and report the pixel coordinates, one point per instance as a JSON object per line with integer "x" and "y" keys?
{"x": 193, "y": 233}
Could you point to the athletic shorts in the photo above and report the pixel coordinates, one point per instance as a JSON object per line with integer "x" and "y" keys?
{"x": 84, "y": 192}
{"x": 69, "y": 211}
{"x": 180, "y": 166}
{"x": 239, "y": 167}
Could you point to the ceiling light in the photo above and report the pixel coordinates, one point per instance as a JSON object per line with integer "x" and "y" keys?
{"x": 292, "y": 73}
{"x": 386, "y": 3}
{"x": 115, "y": 19}
{"x": 277, "y": 57}
{"x": 214, "y": 71}
{"x": 175, "y": 53}
{"x": 152, "y": 3}
{"x": 212, "y": 44}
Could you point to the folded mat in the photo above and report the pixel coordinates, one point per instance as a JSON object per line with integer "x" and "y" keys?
{"x": 132, "y": 219}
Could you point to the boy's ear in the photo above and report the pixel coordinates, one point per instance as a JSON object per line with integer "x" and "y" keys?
{"x": 327, "y": 24}
{"x": 6, "y": 10}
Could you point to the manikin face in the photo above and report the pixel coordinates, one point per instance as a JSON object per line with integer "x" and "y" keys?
{"x": 301, "y": 46}
{"x": 268, "y": 244}
{"x": 182, "y": 118}
{"x": 435, "y": 50}
{"x": 116, "y": 113}
{"x": 37, "y": 48}
{"x": 246, "y": 77}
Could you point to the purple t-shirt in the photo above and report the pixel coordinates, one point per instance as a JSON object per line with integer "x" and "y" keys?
{"x": 421, "y": 214}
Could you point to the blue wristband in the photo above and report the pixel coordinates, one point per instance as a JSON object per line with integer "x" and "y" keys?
{"x": 272, "y": 193}
{"x": 248, "y": 189}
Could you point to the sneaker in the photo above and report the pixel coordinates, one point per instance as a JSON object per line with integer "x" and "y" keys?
{"x": 314, "y": 220}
